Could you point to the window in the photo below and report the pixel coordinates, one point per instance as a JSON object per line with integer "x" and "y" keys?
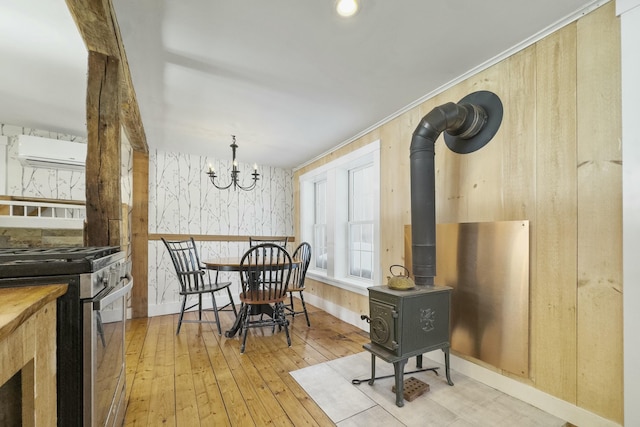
{"x": 320, "y": 224}
{"x": 361, "y": 222}
{"x": 339, "y": 216}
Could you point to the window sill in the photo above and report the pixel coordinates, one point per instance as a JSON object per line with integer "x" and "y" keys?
{"x": 354, "y": 286}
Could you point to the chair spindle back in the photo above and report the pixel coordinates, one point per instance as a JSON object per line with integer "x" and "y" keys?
{"x": 265, "y": 273}
{"x": 184, "y": 256}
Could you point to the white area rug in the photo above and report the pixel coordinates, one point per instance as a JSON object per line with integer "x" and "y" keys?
{"x": 467, "y": 403}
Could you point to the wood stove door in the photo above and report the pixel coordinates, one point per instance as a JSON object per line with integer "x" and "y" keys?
{"x": 383, "y": 324}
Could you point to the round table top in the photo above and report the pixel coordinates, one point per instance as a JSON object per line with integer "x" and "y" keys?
{"x": 233, "y": 263}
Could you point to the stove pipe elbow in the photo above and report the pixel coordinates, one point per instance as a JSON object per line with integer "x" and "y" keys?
{"x": 463, "y": 120}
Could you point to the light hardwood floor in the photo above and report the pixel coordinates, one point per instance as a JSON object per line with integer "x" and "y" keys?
{"x": 199, "y": 378}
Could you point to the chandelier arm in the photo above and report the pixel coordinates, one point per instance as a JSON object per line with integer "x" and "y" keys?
{"x": 235, "y": 182}
{"x": 247, "y": 188}
{"x": 213, "y": 177}
{"x": 252, "y": 185}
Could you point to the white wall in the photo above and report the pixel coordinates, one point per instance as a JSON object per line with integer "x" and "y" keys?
{"x": 629, "y": 11}
{"x": 182, "y": 200}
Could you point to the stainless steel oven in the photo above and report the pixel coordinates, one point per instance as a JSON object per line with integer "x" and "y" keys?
{"x": 104, "y": 320}
{"x": 90, "y": 326}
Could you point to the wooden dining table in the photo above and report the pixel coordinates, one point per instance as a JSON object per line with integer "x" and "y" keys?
{"x": 231, "y": 264}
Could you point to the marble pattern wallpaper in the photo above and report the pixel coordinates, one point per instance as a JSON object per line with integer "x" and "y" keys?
{"x": 182, "y": 200}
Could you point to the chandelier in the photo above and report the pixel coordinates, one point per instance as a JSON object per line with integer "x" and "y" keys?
{"x": 234, "y": 173}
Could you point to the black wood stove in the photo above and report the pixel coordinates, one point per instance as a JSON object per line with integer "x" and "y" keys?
{"x": 407, "y": 323}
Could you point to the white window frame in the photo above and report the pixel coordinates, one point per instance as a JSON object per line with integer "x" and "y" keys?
{"x": 317, "y": 225}
{"x": 352, "y": 222}
{"x": 336, "y": 173}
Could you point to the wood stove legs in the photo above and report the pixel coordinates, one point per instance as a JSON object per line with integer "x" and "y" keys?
{"x": 446, "y": 364}
{"x": 398, "y": 369}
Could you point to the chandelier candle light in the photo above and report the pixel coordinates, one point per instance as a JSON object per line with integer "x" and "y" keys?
{"x": 234, "y": 173}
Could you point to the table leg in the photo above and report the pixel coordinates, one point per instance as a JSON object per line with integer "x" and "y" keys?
{"x": 237, "y": 324}
{"x": 262, "y": 309}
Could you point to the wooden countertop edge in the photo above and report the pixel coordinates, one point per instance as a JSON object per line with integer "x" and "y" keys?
{"x": 19, "y": 303}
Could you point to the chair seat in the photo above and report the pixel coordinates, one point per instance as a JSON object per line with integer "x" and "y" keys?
{"x": 207, "y": 287}
{"x": 260, "y": 297}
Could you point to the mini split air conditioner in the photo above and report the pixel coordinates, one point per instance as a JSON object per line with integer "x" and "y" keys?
{"x": 38, "y": 152}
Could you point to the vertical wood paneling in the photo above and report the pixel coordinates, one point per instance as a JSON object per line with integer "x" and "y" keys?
{"x": 519, "y": 160}
{"x": 351, "y": 301}
{"x": 554, "y": 293}
{"x": 482, "y": 181}
{"x": 395, "y": 138}
{"x": 554, "y": 162}
{"x": 392, "y": 178}
{"x": 519, "y": 144}
{"x": 599, "y": 165}
{"x": 553, "y": 304}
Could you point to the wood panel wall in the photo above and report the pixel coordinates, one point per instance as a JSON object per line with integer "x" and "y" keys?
{"x": 599, "y": 239}
{"x": 556, "y": 161}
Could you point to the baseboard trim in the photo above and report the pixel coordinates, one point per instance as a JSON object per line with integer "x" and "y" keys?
{"x": 174, "y": 307}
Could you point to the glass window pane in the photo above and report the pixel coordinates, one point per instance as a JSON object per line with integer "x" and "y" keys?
{"x": 354, "y": 237}
{"x": 361, "y": 227}
{"x": 320, "y": 248}
{"x": 361, "y": 194}
{"x": 354, "y": 264}
{"x": 320, "y": 189}
{"x": 366, "y": 262}
{"x": 367, "y": 234}
{"x": 319, "y": 220}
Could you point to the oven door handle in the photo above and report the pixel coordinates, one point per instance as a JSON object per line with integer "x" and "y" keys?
{"x": 101, "y": 303}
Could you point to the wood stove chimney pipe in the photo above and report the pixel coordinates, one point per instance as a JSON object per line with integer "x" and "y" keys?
{"x": 469, "y": 125}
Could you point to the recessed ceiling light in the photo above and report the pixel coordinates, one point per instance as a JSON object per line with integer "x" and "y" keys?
{"x": 347, "y": 8}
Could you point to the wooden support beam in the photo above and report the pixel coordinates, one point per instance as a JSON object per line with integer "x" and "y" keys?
{"x": 98, "y": 26}
{"x": 104, "y": 213}
{"x": 139, "y": 235}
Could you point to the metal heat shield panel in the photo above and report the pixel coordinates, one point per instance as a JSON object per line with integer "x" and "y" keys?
{"x": 487, "y": 265}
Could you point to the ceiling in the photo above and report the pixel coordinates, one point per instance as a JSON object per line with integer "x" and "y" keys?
{"x": 289, "y": 78}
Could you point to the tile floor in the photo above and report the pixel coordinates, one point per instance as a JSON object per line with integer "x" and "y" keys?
{"x": 467, "y": 403}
